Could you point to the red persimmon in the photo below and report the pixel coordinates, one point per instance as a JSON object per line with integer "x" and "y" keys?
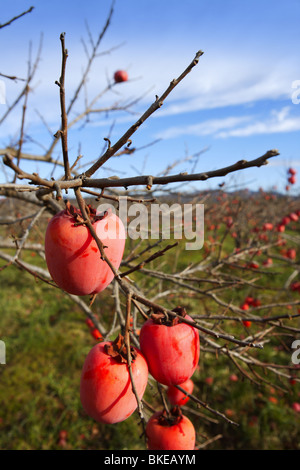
{"x": 233, "y": 378}
{"x": 267, "y": 226}
{"x": 294, "y": 217}
{"x": 177, "y": 397}
{"x": 268, "y": 262}
{"x": 291, "y": 253}
{"x": 280, "y": 228}
{"x": 292, "y": 179}
{"x": 120, "y": 76}
{"x": 105, "y": 387}
{"x": 286, "y": 220}
{"x": 296, "y": 407}
{"x": 175, "y": 433}
{"x": 72, "y": 255}
{"x": 171, "y": 348}
{"x": 253, "y": 265}
{"x": 96, "y": 333}
{"x": 245, "y": 306}
{"x": 90, "y": 323}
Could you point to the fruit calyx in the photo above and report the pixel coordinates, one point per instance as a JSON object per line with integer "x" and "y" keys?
{"x": 76, "y": 213}
{"x": 170, "y": 419}
{"x": 160, "y": 318}
{"x": 118, "y": 350}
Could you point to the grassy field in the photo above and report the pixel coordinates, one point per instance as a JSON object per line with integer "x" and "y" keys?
{"x": 47, "y": 340}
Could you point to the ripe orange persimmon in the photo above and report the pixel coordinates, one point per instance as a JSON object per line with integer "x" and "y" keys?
{"x": 72, "y": 255}
{"x": 173, "y": 433}
{"x": 105, "y": 387}
{"x": 120, "y": 76}
{"x": 177, "y": 397}
{"x": 292, "y": 179}
{"x": 96, "y": 333}
{"x": 171, "y": 348}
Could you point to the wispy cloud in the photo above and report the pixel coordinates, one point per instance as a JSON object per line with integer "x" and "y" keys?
{"x": 217, "y": 84}
{"x": 239, "y": 126}
{"x": 278, "y": 121}
{"x": 209, "y": 127}
{"x": 280, "y": 162}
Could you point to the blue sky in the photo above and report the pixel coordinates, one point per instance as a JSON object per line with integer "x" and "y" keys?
{"x": 236, "y": 104}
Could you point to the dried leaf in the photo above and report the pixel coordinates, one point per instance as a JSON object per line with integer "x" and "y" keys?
{"x": 76, "y": 213}
{"x": 118, "y": 350}
{"x": 162, "y": 319}
{"x": 174, "y": 417}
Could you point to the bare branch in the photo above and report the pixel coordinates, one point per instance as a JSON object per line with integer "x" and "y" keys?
{"x": 16, "y": 17}
{"x": 156, "y": 105}
{"x": 64, "y": 119}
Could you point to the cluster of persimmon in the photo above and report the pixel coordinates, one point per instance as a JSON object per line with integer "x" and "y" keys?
{"x": 249, "y": 302}
{"x": 280, "y": 227}
{"x": 169, "y": 345}
{"x": 292, "y": 217}
{"x": 291, "y": 177}
{"x": 289, "y": 253}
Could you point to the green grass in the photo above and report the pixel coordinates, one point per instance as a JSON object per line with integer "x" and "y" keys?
{"x": 46, "y": 342}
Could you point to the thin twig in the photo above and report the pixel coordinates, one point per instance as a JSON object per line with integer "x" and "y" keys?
{"x": 64, "y": 119}
{"x": 156, "y": 105}
{"x": 16, "y": 17}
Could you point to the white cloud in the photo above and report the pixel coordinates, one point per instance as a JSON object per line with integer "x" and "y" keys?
{"x": 208, "y": 127}
{"x": 277, "y": 122}
{"x": 239, "y": 126}
{"x": 280, "y": 162}
{"x": 216, "y": 82}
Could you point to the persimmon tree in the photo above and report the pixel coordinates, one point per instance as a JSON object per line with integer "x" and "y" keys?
{"x": 215, "y": 279}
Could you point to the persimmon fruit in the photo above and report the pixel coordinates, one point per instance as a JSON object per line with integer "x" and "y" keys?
{"x": 175, "y": 432}
{"x": 176, "y": 396}
{"x": 171, "y": 347}
{"x": 120, "y": 76}
{"x": 72, "y": 255}
{"x": 105, "y": 386}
